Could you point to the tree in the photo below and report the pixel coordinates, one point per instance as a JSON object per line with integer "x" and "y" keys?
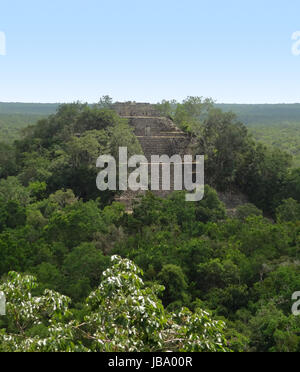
{"x": 26, "y": 314}
{"x": 292, "y": 185}
{"x": 62, "y": 149}
{"x": 82, "y": 269}
{"x": 246, "y": 210}
{"x": 210, "y": 208}
{"x": 8, "y": 164}
{"x": 175, "y": 283}
{"x": 191, "y": 113}
{"x": 11, "y": 189}
{"x": 263, "y": 176}
{"x": 105, "y": 102}
{"x": 12, "y": 214}
{"x": 289, "y": 210}
{"x": 77, "y": 223}
{"x": 167, "y": 108}
{"x": 225, "y": 143}
{"x": 121, "y": 315}
{"x": 273, "y": 331}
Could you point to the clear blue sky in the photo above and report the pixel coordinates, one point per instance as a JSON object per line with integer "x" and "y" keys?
{"x": 233, "y": 50}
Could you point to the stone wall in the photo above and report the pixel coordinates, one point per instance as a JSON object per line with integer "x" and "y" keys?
{"x": 157, "y": 136}
{"x": 135, "y": 109}
{"x": 160, "y": 136}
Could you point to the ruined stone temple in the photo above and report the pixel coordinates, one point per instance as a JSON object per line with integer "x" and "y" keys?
{"x": 157, "y": 135}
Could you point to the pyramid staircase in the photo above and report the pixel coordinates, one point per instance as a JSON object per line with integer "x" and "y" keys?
{"x": 157, "y": 136}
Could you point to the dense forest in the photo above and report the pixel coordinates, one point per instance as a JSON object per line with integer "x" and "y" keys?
{"x": 82, "y": 274}
{"x": 276, "y": 125}
{"x": 14, "y": 117}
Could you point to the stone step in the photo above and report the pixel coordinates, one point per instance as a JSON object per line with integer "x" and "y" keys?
{"x": 157, "y": 136}
{"x": 152, "y": 126}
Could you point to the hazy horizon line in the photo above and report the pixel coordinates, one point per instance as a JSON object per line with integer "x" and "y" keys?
{"x": 153, "y": 103}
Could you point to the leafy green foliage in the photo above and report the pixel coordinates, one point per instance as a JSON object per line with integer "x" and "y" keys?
{"x": 62, "y": 150}
{"x": 121, "y": 315}
{"x": 55, "y": 226}
{"x": 289, "y": 210}
{"x": 25, "y": 313}
{"x": 233, "y": 160}
{"x": 247, "y": 210}
{"x": 284, "y": 135}
{"x": 12, "y": 125}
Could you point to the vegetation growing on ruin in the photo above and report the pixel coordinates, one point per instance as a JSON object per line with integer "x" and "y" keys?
{"x": 209, "y": 282}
